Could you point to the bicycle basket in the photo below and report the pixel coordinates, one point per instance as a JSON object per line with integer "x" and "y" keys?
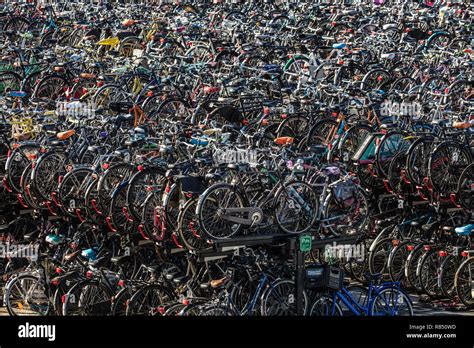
{"x": 324, "y": 277}
{"x": 344, "y": 193}
{"x": 229, "y": 113}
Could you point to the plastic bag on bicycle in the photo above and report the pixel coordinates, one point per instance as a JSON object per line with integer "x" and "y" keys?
{"x": 345, "y": 193}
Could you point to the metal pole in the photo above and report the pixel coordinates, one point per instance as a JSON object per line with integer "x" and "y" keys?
{"x": 299, "y": 281}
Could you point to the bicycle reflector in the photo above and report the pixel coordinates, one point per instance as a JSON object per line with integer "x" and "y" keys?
{"x": 442, "y": 253}
{"x": 410, "y": 247}
{"x": 89, "y": 274}
{"x": 105, "y": 166}
{"x": 465, "y": 253}
{"x": 427, "y": 248}
{"x": 395, "y": 242}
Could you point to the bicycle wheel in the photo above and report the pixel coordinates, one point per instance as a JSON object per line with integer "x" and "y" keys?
{"x": 463, "y": 282}
{"x": 325, "y": 307}
{"x": 9, "y": 82}
{"x": 429, "y": 270}
{"x": 88, "y": 298}
{"x": 109, "y": 181}
{"x": 90, "y": 199}
{"x": 446, "y": 164}
{"x": 211, "y": 211}
{"x": 217, "y": 310}
{"x": 396, "y": 261}
{"x": 72, "y": 189}
{"x": 149, "y": 216}
{"x": 322, "y": 133}
{"x": 417, "y": 159}
{"x": 46, "y": 173}
{"x": 118, "y": 209}
{"x": 295, "y": 127}
{"x": 107, "y": 94}
{"x": 16, "y": 163}
{"x": 465, "y": 192}
{"x": 188, "y": 227}
{"x": 447, "y": 274}
{"x": 295, "y": 207}
{"x": 391, "y": 302}
{"x": 148, "y": 300}
{"x": 280, "y": 299}
{"x": 28, "y": 195}
{"x": 391, "y": 144}
{"x": 51, "y": 89}
{"x": 27, "y": 294}
{"x": 360, "y": 295}
{"x": 348, "y": 216}
{"x": 351, "y": 141}
{"x": 378, "y": 256}
{"x": 412, "y": 264}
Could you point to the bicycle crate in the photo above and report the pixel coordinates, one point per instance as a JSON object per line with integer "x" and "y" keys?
{"x": 251, "y": 106}
{"x": 324, "y": 276}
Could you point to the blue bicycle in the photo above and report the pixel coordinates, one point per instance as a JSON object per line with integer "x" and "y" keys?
{"x": 384, "y": 299}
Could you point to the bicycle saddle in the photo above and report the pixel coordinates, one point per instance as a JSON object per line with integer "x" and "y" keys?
{"x": 30, "y": 236}
{"x": 373, "y": 277}
{"x": 390, "y": 26}
{"x": 123, "y": 34}
{"x": 65, "y": 135}
{"x": 339, "y": 46}
{"x": 97, "y": 149}
{"x": 119, "y": 259}
{"x": 59, "y": 143}
{"x": 318, "y": 149}
{"x": 180, "y": 280}
{"x": 219, "y": 282}
{"x": 462, "y": 125}
{"x": 54, "y": 239}
{"x": 464, "y": 230}
{"x": 122, "y": 118}
{"x": 87, "y": 76}
{"x": 17, "y": 94}
{"x": 120, "y": 107}
{"x": 210, "y": 90}
{"x": 428, "y": 227}
{"x": 71, "y": 256}
{"x": 284, "y": 140}
{"x": 48, "y": 126}
{"x": 241, "y": 167}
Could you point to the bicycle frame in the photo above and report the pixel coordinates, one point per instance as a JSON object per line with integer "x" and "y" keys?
{"x": 374, "y": 292}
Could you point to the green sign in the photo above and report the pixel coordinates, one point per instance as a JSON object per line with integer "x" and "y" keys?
{"x": 305, "y": 243}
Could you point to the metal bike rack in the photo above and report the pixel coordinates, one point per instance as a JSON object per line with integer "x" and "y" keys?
{"x": 317, "y": 244}
{"x": 225, "y": 248}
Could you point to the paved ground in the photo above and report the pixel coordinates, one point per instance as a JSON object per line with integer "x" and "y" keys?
{"x": 427, "y": 309}
{"x": 421, "y": 308}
